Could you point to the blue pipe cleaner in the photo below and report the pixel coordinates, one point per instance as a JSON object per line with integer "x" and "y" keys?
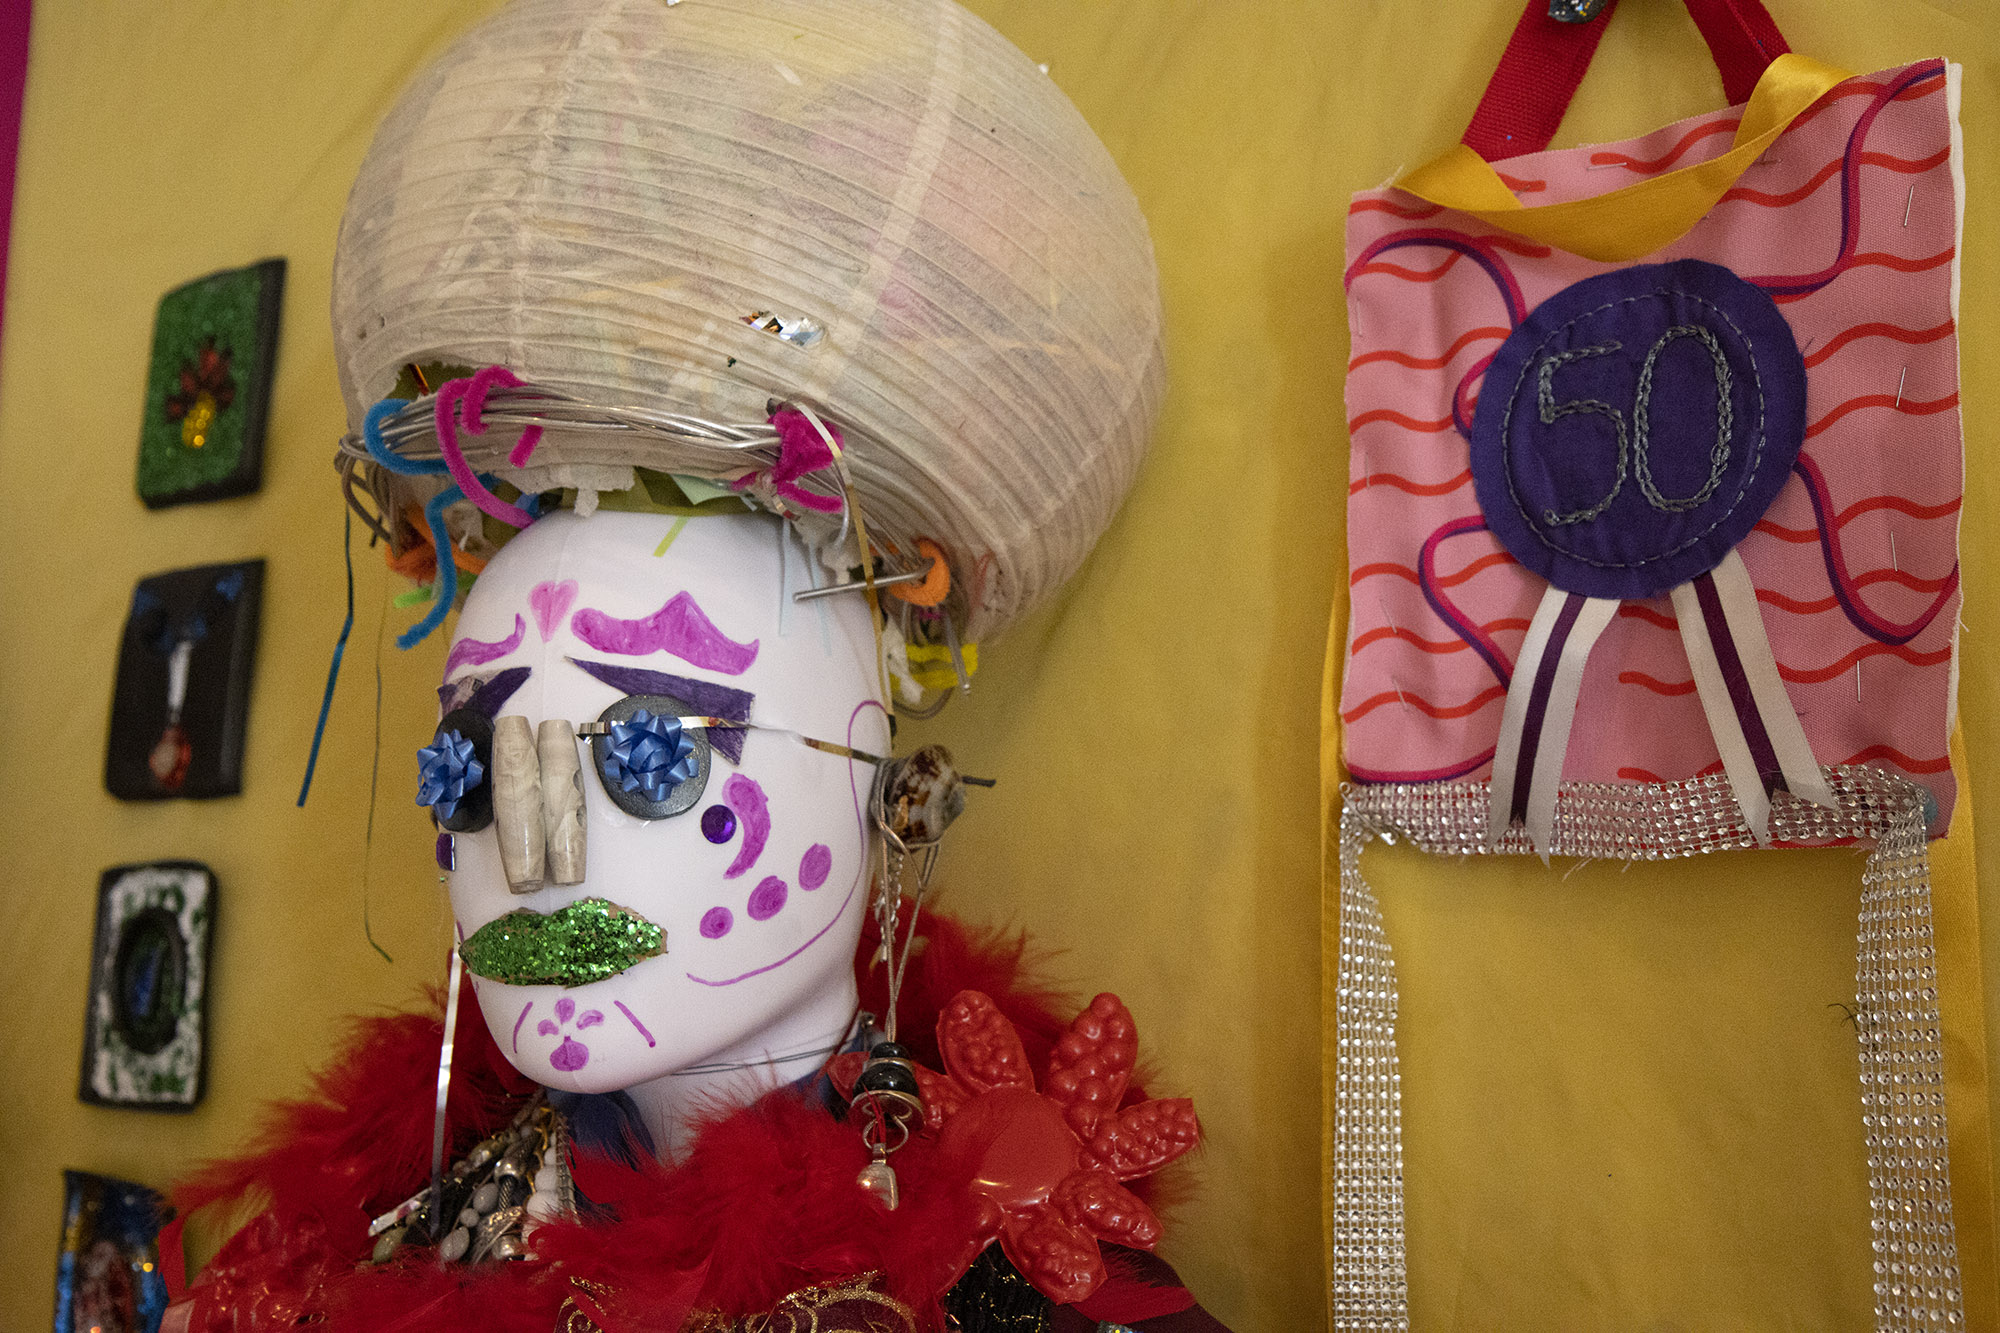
{"x": 379, "y": 450}
{"x": 446, "y": 772}
{"x": 339, "y": 650}
{"x": 649, "y": 754}
{"x": 445, "y": 591}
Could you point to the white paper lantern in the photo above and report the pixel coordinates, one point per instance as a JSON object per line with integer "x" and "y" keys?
{"x": 597, "y": 193}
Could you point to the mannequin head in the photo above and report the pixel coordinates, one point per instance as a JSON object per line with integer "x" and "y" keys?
{"x": 760, "y": 885}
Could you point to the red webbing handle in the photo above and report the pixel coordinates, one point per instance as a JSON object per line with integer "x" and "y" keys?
{"x": 1545, "y": 62}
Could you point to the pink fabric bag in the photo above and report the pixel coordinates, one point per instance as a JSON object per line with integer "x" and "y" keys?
{"x": 1849, "y": 225}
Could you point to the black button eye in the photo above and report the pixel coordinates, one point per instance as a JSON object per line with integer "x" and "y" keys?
{"x": 456, "y": 771}
{"x": 649, "y": 764}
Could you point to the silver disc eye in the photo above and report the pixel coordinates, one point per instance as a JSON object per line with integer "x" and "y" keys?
{"x": 635, "y": 757}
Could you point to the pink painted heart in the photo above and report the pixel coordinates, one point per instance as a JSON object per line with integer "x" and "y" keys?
{"x": 551, "y": 603}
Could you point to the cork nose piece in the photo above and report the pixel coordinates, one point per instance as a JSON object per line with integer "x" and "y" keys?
{"x": 562, "y": 801}
{"x": 517, "y": 803}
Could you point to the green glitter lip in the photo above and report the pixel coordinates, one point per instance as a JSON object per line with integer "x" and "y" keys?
{"x": 590, "y": 940}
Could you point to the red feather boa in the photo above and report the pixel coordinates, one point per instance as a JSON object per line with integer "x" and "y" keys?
{"x": 764, "y": 1203}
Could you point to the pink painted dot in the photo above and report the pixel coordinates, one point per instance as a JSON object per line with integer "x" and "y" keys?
{"x": 767, "y": 898}
{"x": 569, "y": 1057}
{"x": 814, "y": 865}
{"x": 715, "y": 923}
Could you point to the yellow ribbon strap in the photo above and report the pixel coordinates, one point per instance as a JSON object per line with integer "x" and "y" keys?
{"x": 1640, "y": 218}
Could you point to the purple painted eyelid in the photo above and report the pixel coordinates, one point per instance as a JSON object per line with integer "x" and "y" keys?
{"x": 680, "y": 627}
{"x": 746, "y": 798}
{"x": 565, "y": 1007}
{"x": 474, "y": 652}
{"x": 589, "y": 1018}
{"x": 483, "y": 697}
{"x": 547, "y": 1027}
{"x": 707, "y": 697}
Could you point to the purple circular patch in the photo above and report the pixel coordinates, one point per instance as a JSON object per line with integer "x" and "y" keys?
{"x": 569, "y": 1057}
{"x": 814, "y": 865}
{"x": 767, "y": 898}
{"x": 718, "y": 823}
{"x": 1636, "y": 426}
{"x": 715, "y": 923}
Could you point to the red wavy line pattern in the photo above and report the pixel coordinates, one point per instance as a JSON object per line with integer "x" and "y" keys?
{"x": 1634, "y": 611}
{"x": 1423, "y": 705}
{"x": 1877, "y": 330}
{"x": 1904, "y": 165}
{"x": 1940, "y": 764}
{"x": 1873, "y": 260}
{"x": 1856, "y": 510}
{"x": 1656, "y": 685}
{"x": 1798, "y": 676}
{"x": 1909, "y": 407}
{"x": 1403, "y": 483}
{"x": 1672, "y": 155}
{"x": 1383, "y": 266}
{"x": 1429, "y": 362}
{"x": 1861, "y": 88}
{"x": 1384, "y": 206}
{"x": 1407, "y": 422}
{"x": 1484, "y": 562}
{"x": 1436, "y": 647}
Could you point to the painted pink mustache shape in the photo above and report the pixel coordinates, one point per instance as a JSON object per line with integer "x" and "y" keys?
{"x": 680, "y": 627}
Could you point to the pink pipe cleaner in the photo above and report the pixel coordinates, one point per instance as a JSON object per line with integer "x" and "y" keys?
{"x": 472, "y": 393}
{"x": 801, "y": 449}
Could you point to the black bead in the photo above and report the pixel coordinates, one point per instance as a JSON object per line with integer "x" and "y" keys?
{"x": 886, "y": 1076}
{"x": 888, "y": 1050}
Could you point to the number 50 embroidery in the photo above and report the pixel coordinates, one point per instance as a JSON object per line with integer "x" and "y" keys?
{"x": 1635, "y": 441}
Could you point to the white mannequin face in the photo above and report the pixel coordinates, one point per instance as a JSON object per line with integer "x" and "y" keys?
{"x": 756, "y": 936}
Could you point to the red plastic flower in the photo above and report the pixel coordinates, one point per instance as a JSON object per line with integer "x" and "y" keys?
{"x": 1049, "y": 1163}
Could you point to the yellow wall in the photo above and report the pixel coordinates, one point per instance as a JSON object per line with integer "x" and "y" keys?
{"x": 1155, "y": 731}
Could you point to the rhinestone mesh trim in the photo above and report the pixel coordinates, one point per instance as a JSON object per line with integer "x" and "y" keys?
{"x": 1916, "y": 1278}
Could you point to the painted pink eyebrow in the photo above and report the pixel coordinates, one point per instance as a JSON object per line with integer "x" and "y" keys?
{"x": 680, "y": 627}
{"x": 475, "y": 652}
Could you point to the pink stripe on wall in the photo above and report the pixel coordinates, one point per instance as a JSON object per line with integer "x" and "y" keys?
{"x": 13, "y": 79}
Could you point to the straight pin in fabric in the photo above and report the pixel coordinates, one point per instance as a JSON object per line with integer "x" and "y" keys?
{"x": 1857, "y": 682}
{"x": 1892, "y": 557}
{"x": 1406, "y": 703}
{"x": 1807, "y": 345}
{"x": 1387, "y": 618}
{"x": 1906, "y": 205}
{"x": 1900, "y": 380}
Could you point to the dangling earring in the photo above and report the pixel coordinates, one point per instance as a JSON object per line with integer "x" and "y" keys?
{"x": 911, "y": 804}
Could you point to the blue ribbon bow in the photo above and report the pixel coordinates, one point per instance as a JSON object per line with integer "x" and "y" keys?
{"x": 446, "y": 772}
{"x": 649, "y": 754}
